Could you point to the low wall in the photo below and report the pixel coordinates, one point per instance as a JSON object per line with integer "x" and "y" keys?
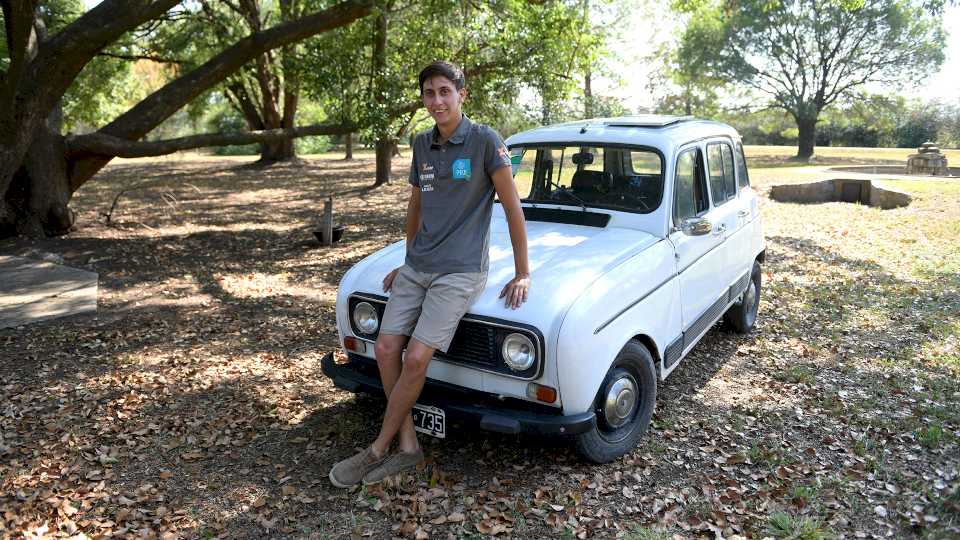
{"x": 890, "y": 169}
{"x": 886, "y": 197}
{"x": 841, "y": 190}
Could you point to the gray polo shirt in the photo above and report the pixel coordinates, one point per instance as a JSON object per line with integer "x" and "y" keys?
{"x": 456, "y": 197}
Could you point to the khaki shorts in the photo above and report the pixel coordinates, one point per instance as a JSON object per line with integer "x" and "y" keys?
{"x": 429, "y": 307}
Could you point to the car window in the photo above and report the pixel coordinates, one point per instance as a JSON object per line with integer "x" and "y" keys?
{"x": 729, "y": 180}
{"x": 689, "y": 191}
{"x": 721, "y": 173}
{"x": 613, "y": 177}
{"x": 742, "y": 178}
{"x": 522, "y": 161}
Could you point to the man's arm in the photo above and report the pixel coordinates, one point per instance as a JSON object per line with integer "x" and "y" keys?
{"x": 413, "y": 214}
{"x": 413, "y": 225}
{"x": 516, "y": 289}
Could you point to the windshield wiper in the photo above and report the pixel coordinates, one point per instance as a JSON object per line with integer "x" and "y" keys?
{"x": 561, "y": 189}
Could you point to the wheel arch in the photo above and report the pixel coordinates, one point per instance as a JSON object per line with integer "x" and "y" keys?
{"x": 651, "y": 346}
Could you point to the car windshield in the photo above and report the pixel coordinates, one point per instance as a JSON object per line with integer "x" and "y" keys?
{"x": 614, "y": 177}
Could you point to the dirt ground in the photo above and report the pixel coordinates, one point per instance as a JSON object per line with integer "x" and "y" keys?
{"x": 192, "y": 405}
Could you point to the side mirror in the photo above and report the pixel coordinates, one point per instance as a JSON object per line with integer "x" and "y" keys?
{"x": 696, "y": 226}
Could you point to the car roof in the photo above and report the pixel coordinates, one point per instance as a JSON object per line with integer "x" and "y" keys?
{"x": 658, "y": 131}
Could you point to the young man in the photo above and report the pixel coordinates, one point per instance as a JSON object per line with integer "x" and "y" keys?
{"x": 457, "y": 166}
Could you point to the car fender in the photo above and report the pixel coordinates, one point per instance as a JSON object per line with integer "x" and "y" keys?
{"x": 348, "y": 284}
{"x": 638, "y": 297}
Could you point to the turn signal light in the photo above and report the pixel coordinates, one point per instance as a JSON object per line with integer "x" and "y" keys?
{"x": 541, "y": 393}
{"x": 353, "y": 344}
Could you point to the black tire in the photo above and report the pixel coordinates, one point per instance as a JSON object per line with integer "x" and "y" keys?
{"x": 742, "y": 316}
{"x": 606, "y": 442}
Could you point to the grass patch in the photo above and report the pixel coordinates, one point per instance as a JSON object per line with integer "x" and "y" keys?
{"x": 803, "y": 493}
{"x": 783, "y": 525}
{"x": 930, "y": 436}
{"x": 639, "y": 532}
{"x": 797, "y": 375}
{"x": 842, "y": 153}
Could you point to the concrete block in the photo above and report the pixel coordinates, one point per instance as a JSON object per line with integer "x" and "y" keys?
{"x": 33, "y": 291}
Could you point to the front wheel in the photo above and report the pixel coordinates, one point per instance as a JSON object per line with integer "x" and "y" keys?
{"x": 624, "y": 406}
{"x": 742, "y": 316}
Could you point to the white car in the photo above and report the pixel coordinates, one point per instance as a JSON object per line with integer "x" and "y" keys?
{"x": 643, "y": 232}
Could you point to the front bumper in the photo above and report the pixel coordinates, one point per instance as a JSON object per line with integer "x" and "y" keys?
{"x": 461, "y": 404}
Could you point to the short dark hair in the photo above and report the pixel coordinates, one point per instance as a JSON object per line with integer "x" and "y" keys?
{"x": 443, "y": 69}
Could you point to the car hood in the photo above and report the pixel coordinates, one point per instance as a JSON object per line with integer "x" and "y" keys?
{"x": 564, "y": 260}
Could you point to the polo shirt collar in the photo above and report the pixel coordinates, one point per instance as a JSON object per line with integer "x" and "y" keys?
{"x": 458, "y": 135}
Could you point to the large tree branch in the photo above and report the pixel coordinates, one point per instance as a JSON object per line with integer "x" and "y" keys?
{"x": 160, "y": 105}
{"x": 64, "y": 55}
{"x": 18, "y": 19}
{"x": 157, "y": 107}
{"x": 136, "y": 57}
{"x": 106, "y": 145}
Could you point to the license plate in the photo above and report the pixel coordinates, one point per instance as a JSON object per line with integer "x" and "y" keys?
{"x": 429, "y": 420}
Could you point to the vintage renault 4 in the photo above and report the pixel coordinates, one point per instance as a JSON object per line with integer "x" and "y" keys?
{"x": 643, "y": 233}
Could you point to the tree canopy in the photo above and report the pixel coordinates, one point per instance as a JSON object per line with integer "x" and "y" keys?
{"x": 803, "y": 55}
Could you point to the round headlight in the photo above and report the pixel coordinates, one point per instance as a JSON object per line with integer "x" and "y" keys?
{"x": 518, "y": 352}
{"x": 365, "y": 317}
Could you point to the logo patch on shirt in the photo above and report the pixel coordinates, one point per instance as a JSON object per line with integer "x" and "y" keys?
{"x": 461, "y": 169}
{"x": 426, "y": 187}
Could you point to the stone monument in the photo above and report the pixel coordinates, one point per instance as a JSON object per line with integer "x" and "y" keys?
{"x": 927, "y": 160}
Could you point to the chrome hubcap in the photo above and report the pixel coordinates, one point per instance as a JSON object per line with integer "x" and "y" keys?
{"x": 750, "y": 302}
{"x": 620, "y": 402}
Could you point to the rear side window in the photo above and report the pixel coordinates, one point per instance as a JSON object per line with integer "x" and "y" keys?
{"x": 729, "y": 180}
{"x": 723, "y": 184}
{"x": 689, "y": 187}
{"x": 742, "y": 178}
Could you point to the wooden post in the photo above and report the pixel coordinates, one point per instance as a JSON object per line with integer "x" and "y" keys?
{"x": 327, "y": 226}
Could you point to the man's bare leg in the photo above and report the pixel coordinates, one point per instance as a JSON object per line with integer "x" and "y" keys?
{"x": 389, "y": 350}
{"x": 405, "y": 392}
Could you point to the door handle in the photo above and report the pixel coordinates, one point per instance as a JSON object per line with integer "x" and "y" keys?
{"x": 720, "y": 228}
{"x": 743, "y": 213}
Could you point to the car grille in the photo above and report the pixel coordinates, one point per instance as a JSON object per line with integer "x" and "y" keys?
{"x": 475, "y": 343}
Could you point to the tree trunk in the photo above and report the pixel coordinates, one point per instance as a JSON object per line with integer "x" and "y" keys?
{"x": 384, "y": 144}
{"x": 348, "y": 142}
{"x": 278, "y": 151}
{"x": 587, "y": 95}
{"x": 384, "y": 158}
{"x": 40, "y": 191}
{"x": 807, "y": 137}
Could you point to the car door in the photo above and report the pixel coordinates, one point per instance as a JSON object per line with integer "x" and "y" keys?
{"x": 697, "y": 237}
{"x": 748, "y": 211}
{"x": 723, "y": 196}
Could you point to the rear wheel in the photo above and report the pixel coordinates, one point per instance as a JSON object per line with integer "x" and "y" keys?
{"x": 742, "y": 316}
{"x": 624, "y": 406}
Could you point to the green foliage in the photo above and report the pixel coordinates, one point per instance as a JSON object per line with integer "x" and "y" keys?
{"x": 225, "y": 118}
{"x": 803, "y": 55}
{"x": 503, "y": 46}
{"x": 311, "y": 113}
{"x": 105, "y": 88}
{"x": 919, "y": 127}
